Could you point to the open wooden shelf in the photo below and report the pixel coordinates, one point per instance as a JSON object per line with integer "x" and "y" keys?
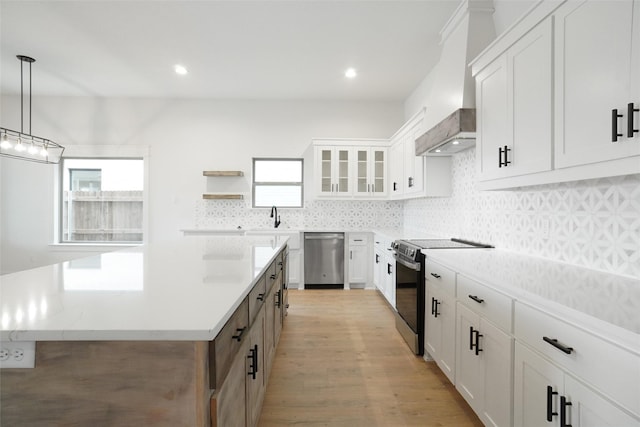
{"x": 222, "y": 173}
{"x": 222, "y": 196}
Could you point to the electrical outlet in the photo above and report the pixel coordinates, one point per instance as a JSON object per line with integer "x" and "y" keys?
{"x": 17, "y": 354}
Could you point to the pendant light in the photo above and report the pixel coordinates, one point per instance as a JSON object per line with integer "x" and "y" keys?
{"x": 25, "y": 146}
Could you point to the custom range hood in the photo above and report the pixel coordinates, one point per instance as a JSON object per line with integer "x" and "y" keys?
{"x": 455, "y": 133}
{"x": 450, "y": 115}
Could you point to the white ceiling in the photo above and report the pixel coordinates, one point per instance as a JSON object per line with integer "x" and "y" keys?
{"x": 295, "y": 49}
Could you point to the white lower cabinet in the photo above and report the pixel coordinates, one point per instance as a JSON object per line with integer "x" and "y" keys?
{"x": 545, "y": 395}
{"x": 358, "y": 258}
{"x": 440, "y": 317}
{"x": 484, "y": 366}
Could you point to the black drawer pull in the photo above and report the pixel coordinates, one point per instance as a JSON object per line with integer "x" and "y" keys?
{"x": 476, "y": 299}
{"x": 437, "y": 276}
{"x": 550, "y": 394}
{"x": 388, "y": 268}
{"x": 554, "y": 342}
{"x": 563, "y": 411}
{"x": 377, "y": 259}
{"x": 272, "y": 277}
{"x": 239, "y": 333}
{"x": 277, "y": 299}
{"x": 260, "y": 297}
{"x": 434, "y": 307}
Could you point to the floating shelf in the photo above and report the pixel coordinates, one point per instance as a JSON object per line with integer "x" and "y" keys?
{"x": 222, "y": 196}
{"x": 222, "y": 173}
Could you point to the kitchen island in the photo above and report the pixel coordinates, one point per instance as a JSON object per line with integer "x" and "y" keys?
{"x": 132, "y": 337}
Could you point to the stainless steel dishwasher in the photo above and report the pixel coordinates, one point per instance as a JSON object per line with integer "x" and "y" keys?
{"x": 323, "y": 260}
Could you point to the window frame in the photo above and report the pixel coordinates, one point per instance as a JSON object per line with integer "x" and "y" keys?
{"x": 99, "y": 152}
{"x": 255, "y": 183}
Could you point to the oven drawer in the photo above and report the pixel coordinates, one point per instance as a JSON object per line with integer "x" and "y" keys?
{"x": 488, "y": 303}
{"x": 440, "y": 277}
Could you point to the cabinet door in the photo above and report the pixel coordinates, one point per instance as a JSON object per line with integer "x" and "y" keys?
{"x": 396, "y": 181}
{"x": 333, "y": 171}
{"x": 497, "y": 355}
{"x": 447, "y": 357}
{"x": 413, "y": 165}
{"x": 362, "y": 172}
{"x": 589, "y": 409}
{"x": 358, "y": 264}
{"x": 377, "y": 263}
{"x": 229, "y": 403}
{"x": 537, "y": 387}
{"x": 255, "y": 368}
{"x": 596, "y": 48}
{"x": 469, "y": 365}
{"x": 515, "y": 106}
{"x": 379, "y": 172}
{"x": 433, "y": 323}
{"x": 389, "y": 273}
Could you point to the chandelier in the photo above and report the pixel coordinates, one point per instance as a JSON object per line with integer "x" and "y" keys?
{"x": 25, "y": 146}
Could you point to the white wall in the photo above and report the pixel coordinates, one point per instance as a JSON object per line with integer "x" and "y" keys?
{"x": 184, "y": 138}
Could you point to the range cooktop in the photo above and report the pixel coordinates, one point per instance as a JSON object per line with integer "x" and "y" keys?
{"x": 446, "y": 243}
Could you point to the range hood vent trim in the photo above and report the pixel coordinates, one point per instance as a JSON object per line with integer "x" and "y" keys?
{"x": 460, "y": 127}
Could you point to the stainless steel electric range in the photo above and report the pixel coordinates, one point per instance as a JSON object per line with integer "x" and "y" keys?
{"x": 410, "y": 291}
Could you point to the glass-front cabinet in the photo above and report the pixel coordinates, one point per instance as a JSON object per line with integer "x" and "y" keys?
{"x": 333, "y": 163}
{"x": 351, "y": 168}
{"x": 371, "y": 173}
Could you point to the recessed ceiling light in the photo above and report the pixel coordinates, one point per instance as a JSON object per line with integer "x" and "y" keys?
{"x": 350, "y": 73}
{"x": 180, "y": 69}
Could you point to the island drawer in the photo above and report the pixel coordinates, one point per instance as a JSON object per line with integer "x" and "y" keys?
{"x": 486, "y": 302}
{"x": 440, "y": 277}
{"x": 612, "y": 370}
{"x": 223, "y": 348}
{"x": 256, "y": 298}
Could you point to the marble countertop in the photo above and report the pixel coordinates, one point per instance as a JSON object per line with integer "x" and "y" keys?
{"x": 604, "y": 303}
{"x": 179, "y": 290}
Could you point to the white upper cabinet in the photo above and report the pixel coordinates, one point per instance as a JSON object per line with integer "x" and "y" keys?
{"x": 514, "y": 99}
{"x": 597, "y": 48}
{"x": 351, "y": 168}
{"x": 416, "y": 176}
{"x": 557, "y": 95}
{"x": 371, "y": 172}
{"x": 333, "y": 171}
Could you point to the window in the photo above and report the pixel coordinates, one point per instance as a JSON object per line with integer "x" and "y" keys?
{"x": 277, "y": 182}
{"x": 101, "y": 200}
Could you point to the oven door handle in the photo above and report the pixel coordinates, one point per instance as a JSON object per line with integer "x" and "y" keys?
{"x": 412, "y": 265}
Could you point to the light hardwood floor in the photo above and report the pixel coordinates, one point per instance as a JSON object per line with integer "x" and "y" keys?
{"x": 340, "y": 362}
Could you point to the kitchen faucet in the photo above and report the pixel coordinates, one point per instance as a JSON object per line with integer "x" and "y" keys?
{"x": 274, "y": 214}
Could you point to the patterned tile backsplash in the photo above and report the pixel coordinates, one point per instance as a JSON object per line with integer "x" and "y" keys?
{"x": 593, "y": 223}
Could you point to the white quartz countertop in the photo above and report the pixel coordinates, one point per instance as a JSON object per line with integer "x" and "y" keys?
{"x": 180, "y": 290}
{"x": 604, "y": 303}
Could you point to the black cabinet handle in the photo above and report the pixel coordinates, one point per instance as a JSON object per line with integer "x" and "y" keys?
{"x": 410, "y": 183}
{"x": 554, "y": 342}
{"x": 435, "y": 309}
{"x": 253, "y": 356}
{"x": 272, "y": 277}
{"x": 503, "y": 152}
{"x": 614, "y": 125}
{"x": 630, "y": 117}
{"x": 550, "y": 394}
{"x": 476, "y": 345}
{"x": 563, "y": 411}
{"x": 260, "y": 297}
{"x": 377, "y": 259}
{"x": 395, "y": 186}
{"x": 476, "y": 299}
{"x": 470, "y": 338}
{"x": 437, "y": 276}
{"x": 277, "y": 299}
{"x": 388, "y": 268}
{"x": 238, "y": 335}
